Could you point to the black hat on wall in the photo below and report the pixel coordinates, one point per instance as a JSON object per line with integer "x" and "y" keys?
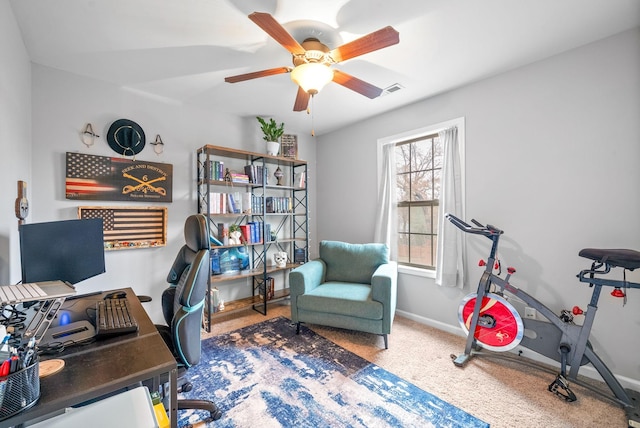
{"x": 126, "y": 137}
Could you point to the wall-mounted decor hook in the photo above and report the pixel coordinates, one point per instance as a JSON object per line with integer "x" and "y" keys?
{"x": 158, "y": 145}
{"x": 88, "y": 136}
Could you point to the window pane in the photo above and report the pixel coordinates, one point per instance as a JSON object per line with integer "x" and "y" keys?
{"x": 420, "y": 250}
{"x": 422, "y": 155}
{"x": 420, "y": 186}
{"x": 402, "y": 158}
{"x": 403, "y": 219}
{"x": 420, "y": 220}
{"x": 403, "y": 248}
{"x": 402, "y": 187}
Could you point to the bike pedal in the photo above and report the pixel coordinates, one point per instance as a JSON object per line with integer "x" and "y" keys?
{"x": 560, "y": 387}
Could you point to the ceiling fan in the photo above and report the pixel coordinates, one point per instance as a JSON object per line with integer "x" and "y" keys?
{"x": 312, "y": 60}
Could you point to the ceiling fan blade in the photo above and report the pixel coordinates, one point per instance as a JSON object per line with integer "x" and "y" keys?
{"x": 382, "y": 38}
{"x": 355, "y": 84}
{"x": 277, "y": 32}
{"x": 256, "y": 74}
{"x": 302, "y": 100}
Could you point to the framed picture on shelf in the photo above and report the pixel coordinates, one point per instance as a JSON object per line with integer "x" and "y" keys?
{"x": 289, "y": 146}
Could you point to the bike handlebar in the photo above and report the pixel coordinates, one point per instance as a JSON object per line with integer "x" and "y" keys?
{"x": 489, "y": 231}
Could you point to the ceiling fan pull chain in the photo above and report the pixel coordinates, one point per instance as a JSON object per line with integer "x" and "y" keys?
{"x": 313, "y": 132}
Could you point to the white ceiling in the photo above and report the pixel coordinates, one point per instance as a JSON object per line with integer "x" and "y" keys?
{"x": 182, "y": 50}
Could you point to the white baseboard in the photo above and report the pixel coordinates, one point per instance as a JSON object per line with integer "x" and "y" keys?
{"x": 432, "y": 323}
{"x": 587, "y": 371}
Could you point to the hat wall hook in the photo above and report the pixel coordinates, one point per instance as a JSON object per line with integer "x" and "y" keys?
{"x": 87, "y": 136}
{"x": 158, "y": 145}
{"x": 126, "y": 137}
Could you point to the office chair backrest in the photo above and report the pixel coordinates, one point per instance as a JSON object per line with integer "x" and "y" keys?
{"x": 189, "y": 273}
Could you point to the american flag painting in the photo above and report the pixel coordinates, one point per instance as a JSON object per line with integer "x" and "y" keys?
{"x": 91, "y": 177}
{"x": 129, "y": 227}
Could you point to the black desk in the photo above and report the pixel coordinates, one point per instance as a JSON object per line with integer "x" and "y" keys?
{"x": 105, "y": 366}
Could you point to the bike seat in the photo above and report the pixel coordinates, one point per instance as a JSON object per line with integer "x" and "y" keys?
{"x": 628, "y": 259}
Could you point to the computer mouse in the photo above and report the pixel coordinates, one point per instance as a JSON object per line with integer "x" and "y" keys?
{"x": 116, "y": 295}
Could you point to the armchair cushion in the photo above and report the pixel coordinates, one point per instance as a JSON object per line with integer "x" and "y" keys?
{"x": 343, "y": 299}
{"x": 352, "y": 262}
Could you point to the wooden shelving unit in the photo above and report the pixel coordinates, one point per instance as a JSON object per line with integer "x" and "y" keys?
{"x": 250, "y": 301}
{"x": 292, "y": 227}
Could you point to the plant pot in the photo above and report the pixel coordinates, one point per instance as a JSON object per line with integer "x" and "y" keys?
{"x": 273, "y": 147}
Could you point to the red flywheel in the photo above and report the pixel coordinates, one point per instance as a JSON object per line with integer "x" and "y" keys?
{"x": 500, "y": 326}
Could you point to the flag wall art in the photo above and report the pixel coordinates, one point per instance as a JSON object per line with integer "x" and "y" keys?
{"x": 91, "y": 177}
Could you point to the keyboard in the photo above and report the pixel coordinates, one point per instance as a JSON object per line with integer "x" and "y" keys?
{"x": 113, "y": 318}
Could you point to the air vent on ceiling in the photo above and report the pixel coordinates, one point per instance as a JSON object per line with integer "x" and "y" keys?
{"x": 391, "y": 89}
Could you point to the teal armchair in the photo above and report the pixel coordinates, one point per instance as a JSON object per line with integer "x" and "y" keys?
{"x": 351, "y": 286}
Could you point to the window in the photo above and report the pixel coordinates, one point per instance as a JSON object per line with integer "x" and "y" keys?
{"x": 421, "y": 177}
{"x": 418, "y": 174}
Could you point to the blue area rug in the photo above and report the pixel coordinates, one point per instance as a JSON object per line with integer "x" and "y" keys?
{"x": 265, "y": 375}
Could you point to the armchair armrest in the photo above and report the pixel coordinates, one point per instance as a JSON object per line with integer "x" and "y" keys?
{"x": 304, "y": 279}
{"x": 384, "y": 284}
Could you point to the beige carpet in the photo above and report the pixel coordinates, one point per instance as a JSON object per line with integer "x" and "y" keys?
{"x": 501, "y": 393}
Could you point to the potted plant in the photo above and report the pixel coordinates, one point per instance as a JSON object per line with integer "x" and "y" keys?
{"x": 271, "y": 132}
{"x": 235, "y": 235}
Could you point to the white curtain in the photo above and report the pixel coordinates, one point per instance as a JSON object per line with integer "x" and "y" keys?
{"x": 450, "y": 251}
{"x": 386, "y": 228}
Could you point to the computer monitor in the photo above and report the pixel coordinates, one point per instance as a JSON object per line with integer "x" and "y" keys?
{"x": 67, "y": 250}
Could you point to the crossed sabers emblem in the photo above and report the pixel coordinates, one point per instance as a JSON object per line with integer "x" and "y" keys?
{"x": 144, "y": 185}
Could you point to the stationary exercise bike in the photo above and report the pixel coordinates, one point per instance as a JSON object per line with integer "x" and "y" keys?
{"x": 498, "y": 326}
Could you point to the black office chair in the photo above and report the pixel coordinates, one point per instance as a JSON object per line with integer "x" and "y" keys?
{"x": 182, "y": 305}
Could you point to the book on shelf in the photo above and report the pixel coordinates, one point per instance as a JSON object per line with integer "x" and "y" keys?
{"x": 246, "y": 233}
{"x": 267, "y": 287}
{"x": 257, "y": 174}
{"x": 237, "y": 177}
{"x": 223, "y": 233}
{"x": 250, "y": 172}
{"x": 229, "y": 203}
{"x": 278, "y": 204}
{"x": 217, "y": 203}
{"x": 252, "y": 232}
{"x": 256, "y": 204}
{"x": 231, "y": 206}
{"x": 269, "y": 204}
{"x": 267, "y": 232}
{"x": 216, "y": 170}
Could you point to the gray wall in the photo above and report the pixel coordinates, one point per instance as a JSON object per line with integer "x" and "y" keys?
{"x": 15, "y": 137}
{"x": 552, "y": 152}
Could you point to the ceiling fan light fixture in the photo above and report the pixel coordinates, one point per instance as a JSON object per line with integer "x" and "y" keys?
{"x": 312, "y": 76}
